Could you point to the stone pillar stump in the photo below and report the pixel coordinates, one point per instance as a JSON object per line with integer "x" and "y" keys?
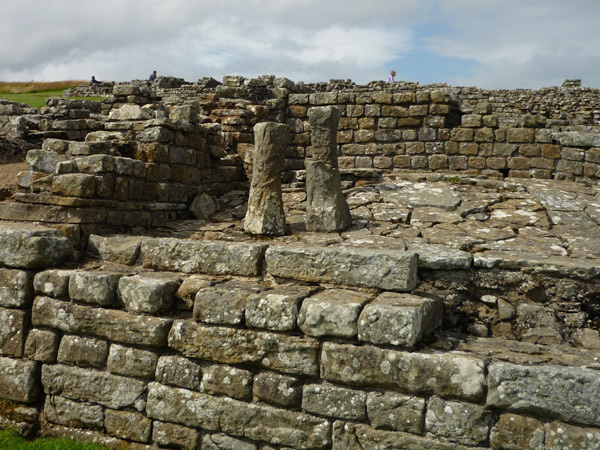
{"x": 265, "y": 213}
{"x": 326, "y": 208}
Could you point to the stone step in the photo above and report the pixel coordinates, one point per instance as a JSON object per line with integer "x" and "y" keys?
{"x": 30, "y": 246}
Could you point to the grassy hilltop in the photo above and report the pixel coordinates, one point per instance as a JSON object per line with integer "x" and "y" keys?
{"x": 35, "y": 93}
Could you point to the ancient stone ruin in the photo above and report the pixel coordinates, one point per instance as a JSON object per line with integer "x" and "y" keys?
{"x": 263, "y": 264}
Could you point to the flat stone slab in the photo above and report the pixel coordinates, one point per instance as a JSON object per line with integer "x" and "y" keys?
{"x": 211, "y": 257}
{"x": 391, "y": 270}
{"x": 32, "y": 247}
{"x": 398, "y": 319}
{"x": 571, "y": 394}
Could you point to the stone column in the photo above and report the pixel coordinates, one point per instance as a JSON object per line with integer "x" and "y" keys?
{"x": 265, "y": 205}
{"x": 326, "y": 208}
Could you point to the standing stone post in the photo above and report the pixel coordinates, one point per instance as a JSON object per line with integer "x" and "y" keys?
{"x": 265, "y": 205}
{"x": 326, "y": 208}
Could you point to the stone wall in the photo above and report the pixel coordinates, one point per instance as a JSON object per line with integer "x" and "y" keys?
{"x": 169, "y": 342}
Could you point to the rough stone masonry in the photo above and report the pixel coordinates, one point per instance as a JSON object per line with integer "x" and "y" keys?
{"x": 458, "y": 309}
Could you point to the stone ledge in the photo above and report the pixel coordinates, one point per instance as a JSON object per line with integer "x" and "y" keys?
{"x": 391, "y": 270}
{"x": 210, "y": 257}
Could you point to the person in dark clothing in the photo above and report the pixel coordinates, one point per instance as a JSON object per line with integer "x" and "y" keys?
{"x": 152, "y": 76}
{"x": 93, "y": 81}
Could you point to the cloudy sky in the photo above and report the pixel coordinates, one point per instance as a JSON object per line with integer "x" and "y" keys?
{"x": 484, "y": 43}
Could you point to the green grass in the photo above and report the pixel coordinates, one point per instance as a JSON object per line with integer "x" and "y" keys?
{"x": 38, "y": 99}
{"x": 10, "y": 440}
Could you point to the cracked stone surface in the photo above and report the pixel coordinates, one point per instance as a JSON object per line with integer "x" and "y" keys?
{"x": 451, "y": 221}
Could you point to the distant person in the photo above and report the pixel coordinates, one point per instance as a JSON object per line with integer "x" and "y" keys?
{"x": 391, "y": 77}
{"x": 93, "y": 81}
{"x": 152, "y": 76}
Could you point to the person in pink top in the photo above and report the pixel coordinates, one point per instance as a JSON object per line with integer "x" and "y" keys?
{"x": 391, "y": 77}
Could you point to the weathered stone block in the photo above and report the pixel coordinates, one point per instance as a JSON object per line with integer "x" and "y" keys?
{"x": 334, "y": 401}
{"x": 62, "y": 411}
{"x": 43, "y": 160}
{"x": 118, "y": 326}
{"x": 398, "y": 319}
{"x": 127, "y": 425}
{"x": 119, "y": 248}
{"x": 382, "y": 269}
{"x": 178, "y": 371}
{"x": 449, "y": 375}
{"x": 16, "y": 288}
{"x": 560, "y": 436}
{"x": 238, "y": 418}
{"x": 225, "y": 303}
{"x": 93, "y": 386}
{"x": 396, "y": 411}
{"x": 567, "y": 393}
{"x": 42, "y": 345}
{"x": 227, "y": 380}
{"x": 30, "y": 246}
{"x": 13, "y": 325}
{"x": 171, "y": 435}
{"x": 54, "y": 283}
{"x": 74, "y": 185}
{"x": 349, "y": 436}
{"x": 458, "y": 422}
{"x": 211, "y": 257}
{"x": 83, "y": 351}
{"x": 513, "y": 432}
{"x": 288, "y": 354}
{"x": 219, "y": 441}
{"x": 132, "y": 362}
{"x": 277, "y": 389}
{"x": 276, "y": 309}
{"x": 332, "y": 312}
{"x": 93, "y": 287}
{"x": 19, "y": 380}
{"x": 145, "y": 294}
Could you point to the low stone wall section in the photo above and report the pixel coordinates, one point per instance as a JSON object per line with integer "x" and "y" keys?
{"x": 220, "y": 345}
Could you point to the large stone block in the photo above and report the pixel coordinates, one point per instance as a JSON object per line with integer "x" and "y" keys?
{"x": 447, "y": 375}
{"x": 211, "y": 257}
{"x": 16, "y": 288}
{"x": 571, "y": 394}
{"x": 127, "y": 425}
{"x": 147, "y": 294}
{"x": 115, "y": 325}
{"x": 276, "y": 309}
{"x": 220, "y": 441}
{"x": 396, "y": 411}
{"x": 459, "y": 422}
{"x": 93, "y": 386}
{"x": 171, "y": 435}
{"x": 225, "y": 303}
{"x": 561, "y": 436}
{"x": 83, "y": 351}
{"x": 227, "y": 380}
{"x": 62, "y": 411}
{"x": 288, "y": 354}
{"x": 178, "y": 371}
{"x": 238, "y": 418}
{"x": 13, "y": 327}
{"x": 119, "y": 248}
{"x": 513, "y": 432}
{"x": 93, "y": 287}
{"x": 53, "y": 283}
{"x": 42, "y": 345}
{"x": 32, "y": 247}
{"x": 277, "y": 389}
{"x": 332, "y": 312}
{"x": 19, "y": 380}
{"x": 392, "y": 270}
{"x": 132, "y": 362}
{"x": 349, "y": 436}
{"x": 334, "y": 401}
{"x": 398, "y": 319}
